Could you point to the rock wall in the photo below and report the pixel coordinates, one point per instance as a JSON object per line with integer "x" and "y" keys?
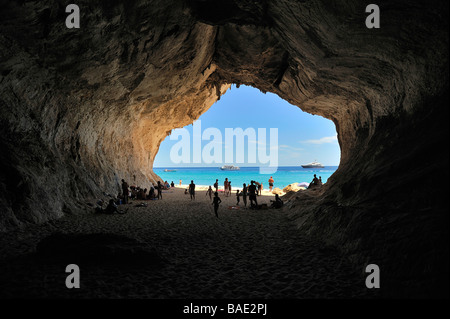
{"x": 83, "y": 108}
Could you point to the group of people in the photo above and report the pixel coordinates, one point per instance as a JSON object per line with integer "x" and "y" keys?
{"x": 315, "y": 182}
{"x": 227, "y": 186}
{"x": 250, "y": 191}
{"x": 155, "y": 192}
{"x": 138, "y": 193}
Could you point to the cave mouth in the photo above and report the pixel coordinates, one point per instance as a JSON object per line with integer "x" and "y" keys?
{"x": 246, "y": 112}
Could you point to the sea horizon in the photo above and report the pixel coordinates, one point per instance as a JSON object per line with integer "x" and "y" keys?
{"x": 206, "y": 176}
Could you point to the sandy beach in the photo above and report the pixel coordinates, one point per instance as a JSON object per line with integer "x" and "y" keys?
{"x": 244, "y": 253}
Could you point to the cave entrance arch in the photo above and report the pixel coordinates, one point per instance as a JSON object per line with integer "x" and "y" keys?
{"x": 300, "y": 138}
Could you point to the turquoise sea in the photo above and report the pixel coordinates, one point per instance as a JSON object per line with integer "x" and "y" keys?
{"x": 284, "y": 176}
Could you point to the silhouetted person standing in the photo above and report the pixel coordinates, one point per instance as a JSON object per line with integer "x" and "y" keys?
{"x": 192, "y": 190}
{"x": 244, "y": 194}
{"x": 237, "y": 197}
{"x": 271, "y": 181}
{"x": 209, "y": 192}
{"x": 125, "y": 191}
{"x": 216, "y": 185}
{"x": 216, "y": 202}
{"x": 258, "y": 186}
{"x": 252, "y": 194}
{"x": 159, "y": 188}
{"x": 225, "y": 186}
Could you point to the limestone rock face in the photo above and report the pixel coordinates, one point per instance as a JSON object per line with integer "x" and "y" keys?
{"x": 292, "y": 188}
{"x": 278, "y": 191}
{"x": 81, "y": 109}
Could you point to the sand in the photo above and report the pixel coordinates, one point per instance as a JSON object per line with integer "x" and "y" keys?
{"x": 242, "y": 254}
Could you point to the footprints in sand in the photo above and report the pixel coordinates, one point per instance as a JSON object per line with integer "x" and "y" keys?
{"x": 245, "y": 254}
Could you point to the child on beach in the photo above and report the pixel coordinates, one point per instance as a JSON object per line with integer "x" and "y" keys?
{"x": 216, "y": 202}
{"x": 237, "y": 197}
{"x": 209, "y": 192}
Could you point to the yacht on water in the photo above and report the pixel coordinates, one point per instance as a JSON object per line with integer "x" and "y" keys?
{"x": 170, "y": 170}
{"x": 314, "y": 164}
{"x": 230, "y": 168}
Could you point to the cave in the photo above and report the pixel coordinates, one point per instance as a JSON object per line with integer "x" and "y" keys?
{"x": 83, "y": 108}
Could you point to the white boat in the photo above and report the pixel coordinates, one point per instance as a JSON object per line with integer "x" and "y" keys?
{"x": 314, "y": 164}
{"x": 230, "y": 168}
{"x": 170, "y": 170}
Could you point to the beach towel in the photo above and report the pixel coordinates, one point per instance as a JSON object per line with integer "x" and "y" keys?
{"x": 303, "y": 184}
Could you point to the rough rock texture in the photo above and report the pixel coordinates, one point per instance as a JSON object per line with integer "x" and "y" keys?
{"x": 97, "y": 248}
{"x": 82, "y": 108}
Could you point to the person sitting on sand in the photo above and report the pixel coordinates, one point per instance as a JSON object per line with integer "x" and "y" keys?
{"x": 252, "y": 194}
{"x": 277, "y": 203}
{"x": 244, "y": 194}
{"x": 216, "y": 202}
{"x": 172, "y": 184}
{"x": 314, "y": 182}
{"x": 142, "y": 194}
{"x": 185, "y": 191}
{"x": 271, "y": 181}
{"x": 159, "y": 189}
{"x": 209, "y": 192}
{"x": 237, "y": 197}
{"x": 151, "y": 192}
{"x": 125, "y": 191}
{"x": 112, "y": 208}
{"x": 136, "y": 193}
{"x": 133, "y": 192}
{"x": 320, "y": 181}
{"x": 216, "y": 185}
{"x": 166, "y": 185}
{"x": 192, "y": 190}
{"x": 120, "y": 198}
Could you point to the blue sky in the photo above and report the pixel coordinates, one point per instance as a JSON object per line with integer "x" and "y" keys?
{"x": 302, "y": 137}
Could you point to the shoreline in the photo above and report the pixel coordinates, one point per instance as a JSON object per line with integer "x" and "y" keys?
{"x": 264, "y": 192}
